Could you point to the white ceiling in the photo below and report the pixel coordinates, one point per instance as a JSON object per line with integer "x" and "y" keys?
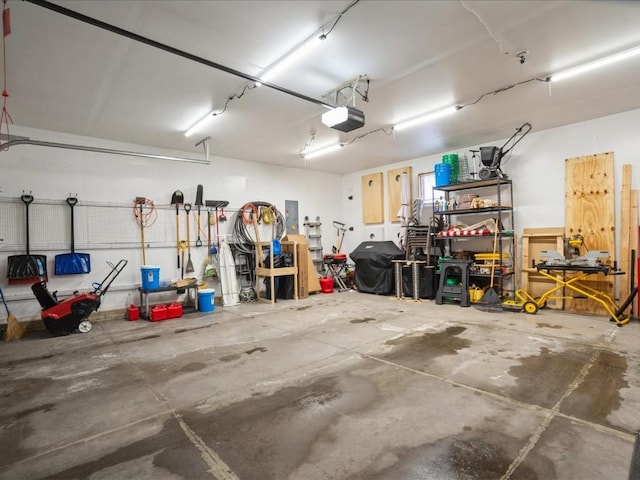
{"x": 65, "y": 75}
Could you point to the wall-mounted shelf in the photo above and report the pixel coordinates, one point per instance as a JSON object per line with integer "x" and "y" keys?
{"x": 272, "y": 272}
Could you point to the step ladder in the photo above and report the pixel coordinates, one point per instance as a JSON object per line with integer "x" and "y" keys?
{"x": 314, "y": 239}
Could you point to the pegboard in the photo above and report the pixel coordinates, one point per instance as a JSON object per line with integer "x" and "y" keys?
{"x": 97, "y": 226}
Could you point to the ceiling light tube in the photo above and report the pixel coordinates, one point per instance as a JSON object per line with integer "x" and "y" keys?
{"x": 196, "y": 126}
{"x": 587, "y": 67}
{"x": 426, "y": 118}
{"x": 322, "y": 151}
{"x": 290, "y": 57}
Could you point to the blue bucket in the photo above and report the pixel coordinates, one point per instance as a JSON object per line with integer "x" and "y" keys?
{"x": 150, "y": 277}
{"x": 443, "y": 174}
{"x": 205, "y": 300}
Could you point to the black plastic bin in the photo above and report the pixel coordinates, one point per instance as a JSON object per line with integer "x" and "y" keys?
{"x": 374, "y": 267}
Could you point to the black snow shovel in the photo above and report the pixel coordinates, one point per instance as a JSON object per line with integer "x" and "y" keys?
{"x": 199, "y": 203}
{"x": 26, "y": 268}
{"x": 177, "y": 199}
{"x": 72, "y": 263}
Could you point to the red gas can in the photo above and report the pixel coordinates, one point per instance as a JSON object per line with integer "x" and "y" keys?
{"x": 159, "y": 312}
{"x": 174, "y": 310}
{"x": 133, "y": 313}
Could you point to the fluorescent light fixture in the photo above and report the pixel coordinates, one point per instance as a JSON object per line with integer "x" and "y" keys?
{"x": 200, "y": 123}
{"x": 322, "y": 151}
{"x": 291, "y": 57}
{"x": 426, "y": 118}
{"x": 587, "y": 67}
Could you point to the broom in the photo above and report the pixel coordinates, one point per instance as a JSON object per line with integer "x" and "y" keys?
{"x": 491, "y": 300}
{"x": 14, "y": 329}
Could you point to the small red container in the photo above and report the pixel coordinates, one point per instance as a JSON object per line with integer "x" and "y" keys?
{"x": 174, "y": 310}
{"x": 326, "y": 284}
{"x": 133, "y": 313}
{"x": 159, "y": 312}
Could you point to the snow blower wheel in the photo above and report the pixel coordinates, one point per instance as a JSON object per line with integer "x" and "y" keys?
{"x": 85, "y": 326}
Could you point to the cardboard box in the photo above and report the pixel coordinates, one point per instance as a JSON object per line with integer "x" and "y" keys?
{"x": 307, "y": 278}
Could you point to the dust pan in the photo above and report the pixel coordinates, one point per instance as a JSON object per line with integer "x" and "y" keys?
{"x": 14, "y": 330}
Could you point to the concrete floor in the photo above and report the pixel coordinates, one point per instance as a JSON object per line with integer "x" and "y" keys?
{"x": 339, "y": 386}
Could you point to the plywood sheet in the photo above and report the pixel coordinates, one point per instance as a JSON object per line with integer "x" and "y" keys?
{"x": 634, "y": 239}
{"x": 589, "y": 211}
{"x": 372, "y": 198}
{"x": 625, "y": 230}
{"x": 394, "y": 182}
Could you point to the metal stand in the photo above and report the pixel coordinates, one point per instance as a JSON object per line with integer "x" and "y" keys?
{"x": 335, "y": 269}
{"x": 415, "y": 266}
{"x": 575, "y": 284}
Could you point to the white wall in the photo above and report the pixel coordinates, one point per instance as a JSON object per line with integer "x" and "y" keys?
{"x": 536, "y": 168}
{"x": 54, "y": 174}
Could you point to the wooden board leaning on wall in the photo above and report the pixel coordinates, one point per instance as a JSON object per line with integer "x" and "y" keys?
{"x": 590, "y": 212}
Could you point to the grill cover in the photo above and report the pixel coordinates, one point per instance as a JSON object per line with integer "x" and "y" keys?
{"x": 374, "y": 270}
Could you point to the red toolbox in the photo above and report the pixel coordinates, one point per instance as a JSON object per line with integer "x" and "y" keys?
{"x": 174, "y": 310}
{"x": 159, "y": 312}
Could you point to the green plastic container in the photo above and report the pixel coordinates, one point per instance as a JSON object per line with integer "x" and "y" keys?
{"x": 452, "y": 159}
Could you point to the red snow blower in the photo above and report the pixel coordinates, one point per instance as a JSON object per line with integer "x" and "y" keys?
{"x": 71, "y": 314}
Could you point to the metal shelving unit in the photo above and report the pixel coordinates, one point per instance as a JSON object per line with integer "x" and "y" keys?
{"x": 501, "y": 213}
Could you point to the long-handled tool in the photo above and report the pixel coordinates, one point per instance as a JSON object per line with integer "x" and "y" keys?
{"x": 199, "y": 204}
{"x": 491, "y": 297}
{"x": 183, "y": 247}
{"x": 216, "y": 204}
{"x": 177, "y": 199}
{"x": 26, "y": 268}
{"x": 255, "y": 215}
{"x": 14, "y": 330}
{"x": 340, "y": 230}
{"x": 74, "y": 263}
{"x": 187, "y": 209}
{"x": 144, "y": 254}
{"x": 209, "y": 267}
